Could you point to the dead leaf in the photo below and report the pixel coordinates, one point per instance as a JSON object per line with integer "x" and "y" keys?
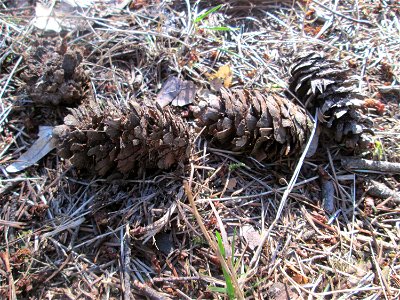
{"x": 296, "y": 275}
{"x": 176, "y": 91}
{"x": 44, "y": 19}
{"x": 280, "y": 291}
{"x": 136, "y": 4}
{"x": 40, "y": 148}
{"x": 62, "y": 15}
{"x": 80, "y": 3}
{"x": 252, "y": 236}
{"x": 232, "y": 182}
{"x": 314, "y": 144}
{"x": 186, "y": 94}
{"x": 169, "y": 91}
{"x": 164, "y": 243}
{"x": 224, "y": 76}
{"x": 328, "y": 196}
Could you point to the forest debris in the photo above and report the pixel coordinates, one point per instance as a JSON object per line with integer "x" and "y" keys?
{"x": 250, "y": 121}
{"x": 328, "y": 192}
{"x": 177, "y": 92}
{"x": 376, "y": 104}
{"x": 54, "y": 76}
{"x": 44, "y": 20}
{"x": 40, "y": 148}
{"x": 370, "y": 165}
{"x": 251, "y": 235}
{"x": 126, "y": 263}
{"x": 70, "y": 14}
{"x": 314, "y": 144}
{"x": 122, "y": 139}
{"x": 223, "y": 77}
{"x": 129, "y": 140}
{"x": 389, "y": 88}
{"x": 280, "y": 291}
{"x": 152, "y": 229}
{"x": 142, "y": 46}
{"x": 5, "y": 261}
{"x": 147, "y": 291}
{"x": 58, "y": 16}
{"x": 80, "y": 3}
{"x": 164, "y": 243}
{"x": 380, "y": 190}
{"x": 296, "y": 275}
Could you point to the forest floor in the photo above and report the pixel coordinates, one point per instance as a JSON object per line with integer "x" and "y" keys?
{"x": 223, "y": 226}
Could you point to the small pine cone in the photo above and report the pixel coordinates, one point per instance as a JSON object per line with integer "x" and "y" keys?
{"x": 267, "y": 127}
{"x": 127, "y": 140}
{"x": 326, "y": 86}
{"x": 55, "y": 78}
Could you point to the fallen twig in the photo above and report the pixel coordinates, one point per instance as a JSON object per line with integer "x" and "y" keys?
{"x": 126, "y": 260}
{"x": 19, "y": 225}
{"x": 380, "y": 190}
{"x": 371, "y": 165}
{"x": 148, "y": 291}
{"x": 176, "y": 279}
{"x": 63, "y": 265}
{"x": 11, "y": 287}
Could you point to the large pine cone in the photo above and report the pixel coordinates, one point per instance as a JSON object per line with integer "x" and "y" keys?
{"x": 114, "y": 138}
{"x": 326, "y": 86}
{"x": 266, "y": 127}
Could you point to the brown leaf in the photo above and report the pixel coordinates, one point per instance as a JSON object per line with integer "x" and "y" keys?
{"x": 280, "y": 291}
{"x": 232, "y": 182}
{"x": 296, "y": 275}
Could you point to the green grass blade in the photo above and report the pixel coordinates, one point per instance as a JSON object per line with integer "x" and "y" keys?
{"x": 220, "y": 244}
{"x": 220, "y": 28}
{"x": 204, "y": 15}
{"x": 230, "y": 290}
{"x": 217, "y": 289}
{"x": 233, "y": 247}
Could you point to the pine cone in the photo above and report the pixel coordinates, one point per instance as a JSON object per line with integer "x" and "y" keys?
{"x": 266, "y": 127}
{"x": 54, "y": 76}
{"x": 130, "y": 139}
{"x": 326, "y": 86}
{"x": 110, "y": 138}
